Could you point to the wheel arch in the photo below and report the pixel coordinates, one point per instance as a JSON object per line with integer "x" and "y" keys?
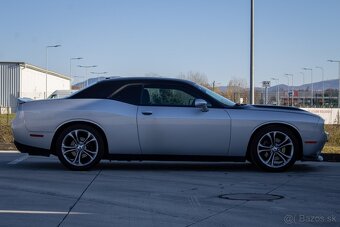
{"x": 288, "y": 126}
{"x": 63, "y": 126}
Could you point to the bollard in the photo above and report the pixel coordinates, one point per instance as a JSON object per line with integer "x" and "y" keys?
{"x": 7, "y": 115}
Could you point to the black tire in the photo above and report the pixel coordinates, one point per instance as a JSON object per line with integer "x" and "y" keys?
{"x": 80, "y": 147}
{"x": 274, "y": 148}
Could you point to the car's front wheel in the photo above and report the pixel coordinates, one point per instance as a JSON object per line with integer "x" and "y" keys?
{"x": 274, "y": 148}
{"x": 79, "y": 147}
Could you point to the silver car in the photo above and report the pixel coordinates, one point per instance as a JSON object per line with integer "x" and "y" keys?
{"x": 164, "y": 119}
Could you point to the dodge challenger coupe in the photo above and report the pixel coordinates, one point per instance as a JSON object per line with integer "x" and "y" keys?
{"x": 164, "y": 119}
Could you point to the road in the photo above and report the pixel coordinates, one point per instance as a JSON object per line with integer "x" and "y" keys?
{"x": 39, "y": 191}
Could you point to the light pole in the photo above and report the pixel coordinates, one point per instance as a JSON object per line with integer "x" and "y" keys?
{"x": 52, "y": 46}
{"x": 323, "y": 84}
{"x": 72, "y": 59}
{"x": 304, "y": 90}
{"x": 292, "y": 75}
{"x": 86, "y": 68}
{"x": 288, "y": 87}
{"x": 99, "y": 73}
{"x": 339, "y": 81}
{"x": 251, "y": 90}
{"x": 311, "y": 77}
{"x": 277, "y": 91}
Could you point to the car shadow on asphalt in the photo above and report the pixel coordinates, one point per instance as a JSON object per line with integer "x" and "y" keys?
{"x": 299, "y": 167}
{"x": 197, "y": 166}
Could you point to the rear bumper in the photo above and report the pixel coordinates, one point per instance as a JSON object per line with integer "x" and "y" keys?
{"x": 32, "y": 150}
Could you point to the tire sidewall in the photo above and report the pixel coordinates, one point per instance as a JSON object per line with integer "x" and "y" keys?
{"x": 94, "y": 132}
{"x": 254, "y": 143}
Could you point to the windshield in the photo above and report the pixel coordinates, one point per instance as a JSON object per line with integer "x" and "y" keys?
{"x": 216, "y": 96}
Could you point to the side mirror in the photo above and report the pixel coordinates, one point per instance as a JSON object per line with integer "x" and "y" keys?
{"x": 202, "y": 104}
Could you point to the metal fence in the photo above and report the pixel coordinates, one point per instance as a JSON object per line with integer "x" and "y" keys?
{"x": 299, "y": 99}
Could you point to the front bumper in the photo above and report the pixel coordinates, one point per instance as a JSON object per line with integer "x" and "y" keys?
{"x": 317, "y": 156}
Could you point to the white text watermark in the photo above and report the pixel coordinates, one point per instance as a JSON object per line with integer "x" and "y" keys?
{"x": 301, "y": 218}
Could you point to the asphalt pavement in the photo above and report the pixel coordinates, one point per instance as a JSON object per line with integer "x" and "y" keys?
{"x": 39, "y": 191}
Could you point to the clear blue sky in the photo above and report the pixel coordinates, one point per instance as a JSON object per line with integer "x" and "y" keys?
{"x": 169, "y": 37}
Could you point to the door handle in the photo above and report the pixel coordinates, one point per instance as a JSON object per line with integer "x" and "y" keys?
{"x": 147, "y": 112}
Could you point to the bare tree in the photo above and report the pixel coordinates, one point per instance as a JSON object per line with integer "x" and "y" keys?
{"x": 197, "y": 77}
{"x": 236, "y": 89}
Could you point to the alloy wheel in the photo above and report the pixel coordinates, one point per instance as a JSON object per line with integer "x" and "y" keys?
{"x": 275, "y": 149}
{"x": 79, "y": 147}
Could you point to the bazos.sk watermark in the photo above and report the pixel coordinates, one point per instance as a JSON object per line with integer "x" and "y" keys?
{"x": 301, "y": 218}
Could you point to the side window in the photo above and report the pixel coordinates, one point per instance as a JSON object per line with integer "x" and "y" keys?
{"x": 129, "y": 94}
{"x": 101, "y": 90}
{"x": 166, "y": 96}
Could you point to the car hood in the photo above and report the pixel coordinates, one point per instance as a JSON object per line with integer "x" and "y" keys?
{"x": 287, "y": 109}
{"x": 277, "y": 108}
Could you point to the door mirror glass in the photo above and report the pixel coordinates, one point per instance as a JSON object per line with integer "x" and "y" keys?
{"x": 200, "y": 103}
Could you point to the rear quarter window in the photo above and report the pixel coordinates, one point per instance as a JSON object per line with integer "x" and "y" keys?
{"x": 101, "y": 90}
{"x": 129, "y": 94}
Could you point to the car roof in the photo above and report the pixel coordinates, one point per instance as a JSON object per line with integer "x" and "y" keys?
{"x": 146, "y": 79}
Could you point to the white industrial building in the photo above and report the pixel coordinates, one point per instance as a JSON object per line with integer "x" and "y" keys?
{"x": 19, "y": 79}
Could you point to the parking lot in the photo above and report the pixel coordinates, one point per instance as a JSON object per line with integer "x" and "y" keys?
{"x": 39, "y": 191}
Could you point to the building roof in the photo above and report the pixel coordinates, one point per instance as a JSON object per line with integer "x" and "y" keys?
{"x": 36, "y": 68}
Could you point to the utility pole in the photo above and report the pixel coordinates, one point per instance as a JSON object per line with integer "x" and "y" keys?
{"x": 53, "y": 46}
{"x": 304, "y": 90}
{"x": 277, "y": 91}
{"x": 86, "y": 68}
{"x": 292, "y": 88}
{"x": 339, "y": 81}
{"x": 71, "y": 59}
{"x": 311, "y": 77}
{"x": 251, "y": 90}
{"x": 323, "y": 84}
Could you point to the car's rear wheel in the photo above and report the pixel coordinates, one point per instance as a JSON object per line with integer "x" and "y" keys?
{"x": 80, "y": 147}
{"x": 274, "y": 148}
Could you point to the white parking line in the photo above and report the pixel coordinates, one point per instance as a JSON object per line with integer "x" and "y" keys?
{"x": 36, "y": 212}
{"x": 10, "y": 152}
{"x": 20, "y": 159}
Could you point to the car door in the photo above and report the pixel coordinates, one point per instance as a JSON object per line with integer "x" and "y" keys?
{"x": 121, "y": 125}
{"x": 170, "y": 124}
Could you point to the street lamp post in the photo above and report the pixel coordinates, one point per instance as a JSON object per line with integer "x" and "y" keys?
{"x": 86, "y": 68}
{"x": 304, "y": 90}
{"x": 287, "y": 88}
{"x": 52, "y": 46}
{"x": 99, "y": 73}
{"x": 292, "y": 88}
{"x": 71, "y": 59}
{"x": 323, "y": 84}
{"x": 338, "y": 61}
{"x": 277, "y": 91}
{"x": 311, "y": 76}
